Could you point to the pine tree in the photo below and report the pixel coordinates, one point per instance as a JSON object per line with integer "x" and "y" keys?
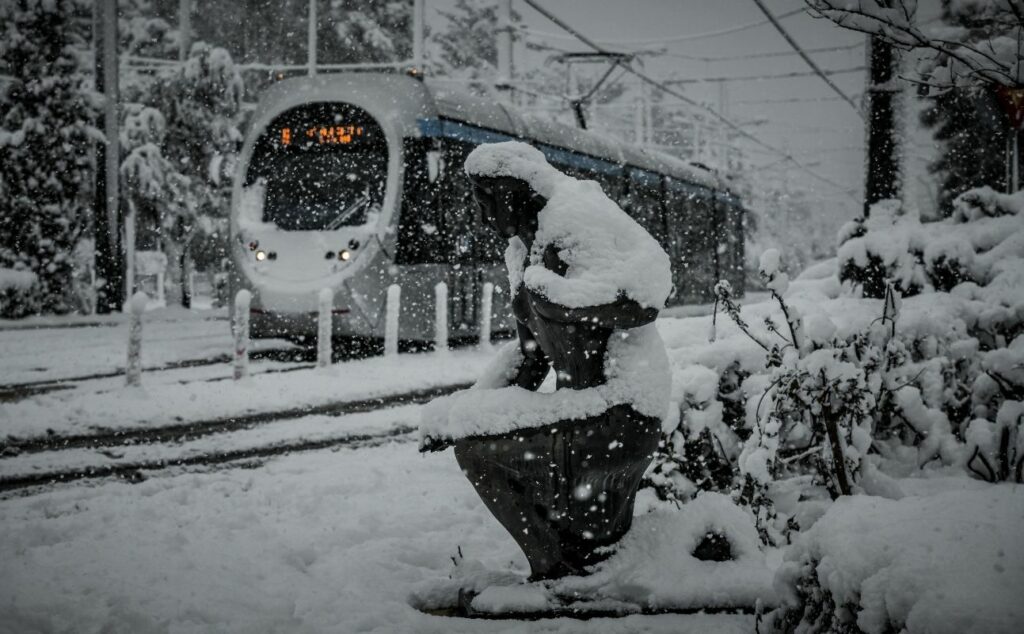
{"x": 968, "y": 121}
{"x": 46, "y": 132}
{"x": 972, "y": 133}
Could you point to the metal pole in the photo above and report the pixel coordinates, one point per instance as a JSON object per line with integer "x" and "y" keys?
{"x": 391, "y": 312}
{"x": 129, "y": 250}
{"x": 136, "y": 307}
{"x": 441, "y": 317}
{"x": 1008, "y": 161}
{"x": 1016, "y": 160}
{"x": 418, "y": 19}
{"x": 638, "y": 122}
{"x": 184, "y": 28}
{"x": 504, "y": 42}
{"x": 243, "y": 302}
{"x": 325, "y": 328}
{"x": 311, "y": 39}
{"x": 486, "y": 308}
{"x": 109, "y": 260}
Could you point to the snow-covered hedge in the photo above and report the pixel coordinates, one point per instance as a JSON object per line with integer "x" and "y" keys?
{"x": 982, "y": 243}
{"x": 950, "y": 562}
{"x": 18, "y": 293}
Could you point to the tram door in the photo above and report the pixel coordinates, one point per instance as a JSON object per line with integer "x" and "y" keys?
{"x": 461, "y": 222}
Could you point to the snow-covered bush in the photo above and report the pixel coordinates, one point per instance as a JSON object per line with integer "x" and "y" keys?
{"x": 19, "y": 293}
{"x": 880, "y": 565}
{"x": 893, "y": 244}
{"x": 839, "y": 405}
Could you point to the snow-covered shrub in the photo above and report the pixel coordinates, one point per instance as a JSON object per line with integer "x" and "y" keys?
{"x": 970, "y": 247}
{"x": 700, "y": 451}
{"x": 19, "y": 293}
{"x": 878, "y": 565}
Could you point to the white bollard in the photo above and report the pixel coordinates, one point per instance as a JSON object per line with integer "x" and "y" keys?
{"x": 241, "y": 328}
{"x": 486, "y": 304}
{"x": 391, "y": 320}
{"x": 324, "y": 328}
{"x": 161, "y": 295}
{"x": 136, "y": 306}
{"x": 441, "y": 317}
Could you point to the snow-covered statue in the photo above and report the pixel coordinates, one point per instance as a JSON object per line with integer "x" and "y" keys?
{"x": 560, "y": 469}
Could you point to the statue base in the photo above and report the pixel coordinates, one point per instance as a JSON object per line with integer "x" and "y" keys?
{"x": 566, "y": 490}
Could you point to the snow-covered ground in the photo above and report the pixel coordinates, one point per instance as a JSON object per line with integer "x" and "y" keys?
{"x": 351, "y": 526}
{"x": 314, "y": 542}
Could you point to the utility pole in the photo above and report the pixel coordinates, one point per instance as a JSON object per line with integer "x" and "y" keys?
{"x": 109, "y": 260}
{"x": 184, "y": 48}
{"x": 184, "y": 29}
{"x": 638, "y": 122}
{"x": 311, "y": 40}
{"x": 504, "y": 43}
{"x": 418, "y": 19}
{"x": 883, "y": 159}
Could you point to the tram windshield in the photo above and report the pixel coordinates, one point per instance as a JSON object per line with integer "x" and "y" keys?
{"x": 324, "y": 167}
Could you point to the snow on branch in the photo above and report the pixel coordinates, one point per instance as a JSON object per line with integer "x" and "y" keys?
{"x": 979, "y": 42}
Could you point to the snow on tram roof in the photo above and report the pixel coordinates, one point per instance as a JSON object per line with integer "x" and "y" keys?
{"x": 490, "y": 113}
{"x": 407, "y": 99}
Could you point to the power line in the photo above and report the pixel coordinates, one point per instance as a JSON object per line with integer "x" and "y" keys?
{"x": 670, "y": 38}
{"x": 731, "y": 58}
{"x": 793, "y": 99}
{"x": 648, "y": 80}
{"x": 807, "y": 58}
{"x": 700, "y": 80}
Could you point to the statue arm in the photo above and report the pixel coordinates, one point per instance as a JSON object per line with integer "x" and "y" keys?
{"x": 620, "y": 314}
{"x": 520, "y": 363}
{"x": 535, "y": 365}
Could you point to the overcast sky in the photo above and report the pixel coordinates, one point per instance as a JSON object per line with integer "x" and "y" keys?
{"x": 826, "y": 134}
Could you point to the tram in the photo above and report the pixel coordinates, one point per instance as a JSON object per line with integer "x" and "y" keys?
{"x": 354, "y": 182}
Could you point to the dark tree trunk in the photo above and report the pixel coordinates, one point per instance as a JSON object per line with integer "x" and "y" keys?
{"x": 186, "y": 270}
{"x": 883, "y": 169}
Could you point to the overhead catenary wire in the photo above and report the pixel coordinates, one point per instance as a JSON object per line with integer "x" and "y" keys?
{"x": 675, "y": 93}
{"x": 803, "y": 55}
{"x": 699, "y": 80}
{"x": 793, "y": 99}
{"x": 670, "y": 38}
{"x": 732, "y": 58}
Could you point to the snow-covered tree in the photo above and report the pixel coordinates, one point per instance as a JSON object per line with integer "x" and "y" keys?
{"x": 980, "y": 46}
{"x": 46, "y": 115}
{"x": 200, "y": 105}
{"x": 354, "y": 32}
{"x": 971, "y": 132}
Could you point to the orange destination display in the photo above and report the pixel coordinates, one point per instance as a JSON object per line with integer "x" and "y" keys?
{"x": 322, "y": 135}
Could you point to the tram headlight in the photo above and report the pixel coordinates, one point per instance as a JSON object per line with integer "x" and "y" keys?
{"x": 261, "y": 255}
{"x": 344, "y": 255}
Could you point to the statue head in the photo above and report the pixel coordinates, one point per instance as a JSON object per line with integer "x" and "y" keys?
{"x": 508, "y": 204}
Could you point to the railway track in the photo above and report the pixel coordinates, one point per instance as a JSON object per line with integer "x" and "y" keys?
{"x": 184, "y": 432}
{"x": 11, "y": 392}
{"x": 136, "y": 471}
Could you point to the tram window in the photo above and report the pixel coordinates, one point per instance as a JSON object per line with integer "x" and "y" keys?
{"x": 729, "y": 233}
{"x": 322, "y": 191}
{"x": 691, "y": 229}
{"x": 645, "y": 204}
{"x": 324, "y": 166}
